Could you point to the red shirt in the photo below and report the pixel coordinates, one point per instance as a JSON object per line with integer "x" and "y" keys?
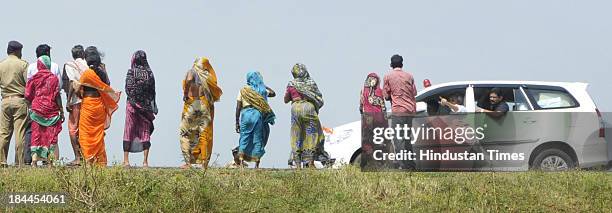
{"x": 399, "y": 87}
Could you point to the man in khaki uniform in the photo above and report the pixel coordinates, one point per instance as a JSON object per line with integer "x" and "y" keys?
{"x": 13, "y": 108}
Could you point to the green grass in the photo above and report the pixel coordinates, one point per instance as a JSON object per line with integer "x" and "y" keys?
{"x": 345, "y": 190}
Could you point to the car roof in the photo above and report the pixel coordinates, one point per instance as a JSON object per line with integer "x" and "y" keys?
{"x": 501, "y": 82}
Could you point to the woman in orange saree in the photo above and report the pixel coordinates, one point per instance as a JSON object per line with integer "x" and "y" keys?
{"x": 99, "y": 103}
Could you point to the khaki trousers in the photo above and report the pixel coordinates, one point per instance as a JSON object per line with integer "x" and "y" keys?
{"x": 13, "y": 118}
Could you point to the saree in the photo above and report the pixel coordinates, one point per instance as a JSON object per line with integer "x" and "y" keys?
{"x": 255, "y": 119}
{"x": 42, "y": 92}
{"x": 372, "y": 107}
{"x": 95, "y": 117}
{"x": 196, "y": 127}
{"x": 304, "y": 84}
{"x": 372, "y": 103}
{"x": 141, "y": 107}
{"x": 306, "y": 132}
{"x": 307, "y": 136}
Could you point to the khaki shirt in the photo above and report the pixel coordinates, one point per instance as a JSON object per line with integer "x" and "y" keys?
{"x": 13, "y": 76}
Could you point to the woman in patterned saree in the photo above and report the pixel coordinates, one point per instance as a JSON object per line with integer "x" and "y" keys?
{"x": 200, "y": 92}
{"x": 141, "y": 108}
{"x": 306, "y": 132}
{"x": 42, "y": 92}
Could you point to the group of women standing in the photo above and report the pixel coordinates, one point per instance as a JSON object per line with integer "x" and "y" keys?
{"x": 100, "y": 102}
{"x": 253, "y": 116}
{"x": 90, "y": 84}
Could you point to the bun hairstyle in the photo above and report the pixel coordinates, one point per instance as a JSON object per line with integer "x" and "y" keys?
{"x": 92, "y": 56}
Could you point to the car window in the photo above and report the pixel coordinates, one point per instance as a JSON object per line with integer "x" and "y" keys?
{"x": 551, "y": 99}
{"x": 512, "y": 96}
{"x": 520, "y": 102}
{"x": 481, "y": 96}
{"x": 432, "y": 100}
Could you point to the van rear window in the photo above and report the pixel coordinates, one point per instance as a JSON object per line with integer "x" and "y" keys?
{"x": 551, "y": 99}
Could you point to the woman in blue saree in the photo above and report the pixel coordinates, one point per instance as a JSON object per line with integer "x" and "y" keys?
{"x": 253, "y": 119}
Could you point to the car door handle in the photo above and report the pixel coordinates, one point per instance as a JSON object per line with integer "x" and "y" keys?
{"x": 529, "y": 121}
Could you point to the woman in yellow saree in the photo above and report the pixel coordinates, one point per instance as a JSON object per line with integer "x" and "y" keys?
{"x": 200, "y": 92}
{"x": 99, "y": 103}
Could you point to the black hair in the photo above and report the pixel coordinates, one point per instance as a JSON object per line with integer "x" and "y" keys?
{"x": 94, "y": 61}
{"x": 497, "y": 91}
{"x": 458, "y": 98}
{"x": 43, "y": 49}
{"x": 397, "y": 61}
{"x": 78, "y": 52}
{"x": 91, "y": 50}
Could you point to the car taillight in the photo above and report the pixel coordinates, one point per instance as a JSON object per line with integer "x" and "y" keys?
{"x": 602, "y": 125}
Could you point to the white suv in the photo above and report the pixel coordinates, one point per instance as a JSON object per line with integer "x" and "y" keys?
{"x": 556, "y": 124}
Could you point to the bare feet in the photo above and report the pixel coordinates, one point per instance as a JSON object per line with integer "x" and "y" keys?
{"x": 185, "y": 166}
{"x": 145, "y": 165}
{"x": 126, "y": 164}
{"x": 34, "y": 160}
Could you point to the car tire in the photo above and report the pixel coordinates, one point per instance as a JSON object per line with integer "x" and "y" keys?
{"x": 553, "y": 160}
{"x": 357, "y": 160}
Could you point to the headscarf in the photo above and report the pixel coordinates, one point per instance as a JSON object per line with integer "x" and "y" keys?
{"x": 140, "y": 83}
{"x": 207, "y": 79}
{"x": 305, "y": 85}
{"x": 372, "y": 96}
{"x": 44, "y": 63}
{"x": 257, "y": 95}
{"x": 255, "y": 80}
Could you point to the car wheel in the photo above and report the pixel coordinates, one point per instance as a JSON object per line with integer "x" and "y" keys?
{"x": 357, "y": 160}
{"x": 553, "y": 160}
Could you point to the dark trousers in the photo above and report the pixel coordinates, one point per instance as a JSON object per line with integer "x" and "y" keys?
{"x": 402, "y": 144}
{"x": 27, "y": 154}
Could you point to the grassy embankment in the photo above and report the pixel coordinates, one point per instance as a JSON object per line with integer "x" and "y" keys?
{"x": 345, "y": 190}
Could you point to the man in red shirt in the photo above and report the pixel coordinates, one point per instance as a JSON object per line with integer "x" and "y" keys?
{"x": 399, "y": 89}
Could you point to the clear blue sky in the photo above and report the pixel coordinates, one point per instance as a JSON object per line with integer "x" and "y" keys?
{"x": 339, "y": 41}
